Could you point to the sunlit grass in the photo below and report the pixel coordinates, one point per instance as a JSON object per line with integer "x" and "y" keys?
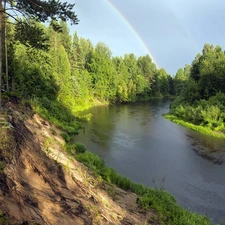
{"x": 198, "y": 128}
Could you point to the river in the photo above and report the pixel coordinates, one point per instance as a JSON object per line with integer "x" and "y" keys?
{"x": 140, "y": 144}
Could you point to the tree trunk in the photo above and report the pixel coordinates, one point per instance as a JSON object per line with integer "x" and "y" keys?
{"x": 6, "y": 51}
{"x": 1, "y": 12}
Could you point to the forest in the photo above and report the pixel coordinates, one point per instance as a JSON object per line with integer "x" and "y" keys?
{"x": 61, "y": 74}
{"x": 200, "y": 90}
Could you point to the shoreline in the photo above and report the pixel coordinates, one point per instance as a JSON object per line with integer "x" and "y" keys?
{"x": 198, "y": 128}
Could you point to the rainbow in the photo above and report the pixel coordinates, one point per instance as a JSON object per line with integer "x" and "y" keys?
{"x": 126, "y": 21}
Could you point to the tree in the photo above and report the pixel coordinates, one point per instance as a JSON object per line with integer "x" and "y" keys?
{"x": 163, "y": 82}
{"x": 147, "y": 67}
{"x": 103, "y": 73}
{"x": 40, "y": 10}
{"x": 208, "y": 71}
{"x": 66, "y": 38}
{"x": 171, "y": 85}
{"x": 147, "y": 70}
{"x": 122, "y": 79}
{"x": 179, "y": 81}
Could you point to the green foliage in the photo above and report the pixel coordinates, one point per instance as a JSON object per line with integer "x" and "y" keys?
{"x": 28, "y": 30}
{"x": 201, "y": 90}
{"x": 179, "y": 81}
{"x": 218, "y": 132}
{"x": 57, "y": 114}
{"x": 208, "y": 71}
{"x": 80, "y": 148}
{"x": 169, "y": 211}
{"x": 53, "y": 10}
{"x": 92, "y": 161}
{"x": 208, "y": 115}
{"x": 31, "y": 33}
{"x": 65, "y": 136}
{"x": 74, "y": 74}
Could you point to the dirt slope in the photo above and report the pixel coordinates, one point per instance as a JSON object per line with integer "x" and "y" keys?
{"x": 40, "y": 184}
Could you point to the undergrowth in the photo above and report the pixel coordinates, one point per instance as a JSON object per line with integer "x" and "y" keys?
{"x": 56, "y": 113}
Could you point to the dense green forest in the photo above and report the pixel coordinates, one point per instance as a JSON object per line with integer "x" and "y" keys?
{"x": 75, "y": 72}
{"x": 66, "y": 71}
{"x": 200, "y": 90}
{"x": 63, "y": 71}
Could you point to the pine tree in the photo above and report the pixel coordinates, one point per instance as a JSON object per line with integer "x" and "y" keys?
{"x": 39, "y": 10}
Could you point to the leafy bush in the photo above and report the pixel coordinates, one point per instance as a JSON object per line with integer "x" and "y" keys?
{"x": 80, "y": 148}
{"x": 206, "y": 113}
{"x": 65, "y": 136}
{"x": 70, "y": 130}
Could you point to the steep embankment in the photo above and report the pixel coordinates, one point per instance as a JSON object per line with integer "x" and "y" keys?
{"x": 40, "y": 184}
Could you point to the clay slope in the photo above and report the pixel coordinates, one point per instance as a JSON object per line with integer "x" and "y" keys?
{"x": 42, "y": 185}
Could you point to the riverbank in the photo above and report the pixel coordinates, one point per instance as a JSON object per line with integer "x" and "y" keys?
{"x": 198, "y": 128}
{"x": 71, "y": 191}
{"x": 40, "y": 183}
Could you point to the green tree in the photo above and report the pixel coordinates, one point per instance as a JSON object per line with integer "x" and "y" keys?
{"x": 171, "y": 85}
{"x": 38, "y": 9}
{"x": 179, "y": 81}
{"x": 103, "y": 73}
{"x": 163, "y": 82}
{"x": 122, "y": 79}
{"x": 147, "y": 67}
{"x": 147, "y": 70}
{"x": 131, "y": 64}
{"x": 66, "y": 38}
{"x": 208, "y": 71}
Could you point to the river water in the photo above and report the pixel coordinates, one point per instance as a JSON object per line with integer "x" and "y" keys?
{"x": 140, "y": 144}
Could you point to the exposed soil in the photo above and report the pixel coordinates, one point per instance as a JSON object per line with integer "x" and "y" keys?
{"x": 40, "y": 184}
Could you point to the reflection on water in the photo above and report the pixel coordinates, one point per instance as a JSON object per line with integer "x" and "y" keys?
{"x": 140, "y": 144}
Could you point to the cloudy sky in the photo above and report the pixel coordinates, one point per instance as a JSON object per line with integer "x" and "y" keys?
{"x": 172, "y": 32}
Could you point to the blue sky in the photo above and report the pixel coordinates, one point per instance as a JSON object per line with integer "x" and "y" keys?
{"x": 172, "y": 32}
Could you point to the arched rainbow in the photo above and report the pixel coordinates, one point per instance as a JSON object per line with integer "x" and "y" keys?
{"x": 133, "y": 30}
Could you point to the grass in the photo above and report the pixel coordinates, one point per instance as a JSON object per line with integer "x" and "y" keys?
{"x": 162, "y": 202}
{"x": 198, "y": 128}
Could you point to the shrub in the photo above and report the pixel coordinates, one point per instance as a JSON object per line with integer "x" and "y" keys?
{"x": 80, "y": 148}
{"x": 65, "y": 136}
